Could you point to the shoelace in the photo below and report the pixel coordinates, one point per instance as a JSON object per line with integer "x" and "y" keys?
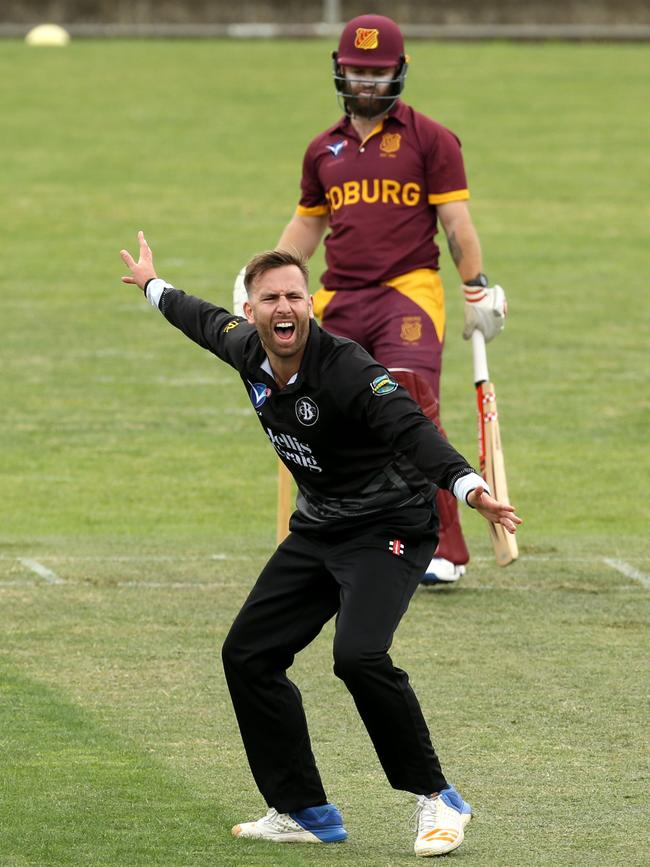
{"x": 280, "y": 820}
{"x": 271, "y": 816}
{"x": 425, "y": 814}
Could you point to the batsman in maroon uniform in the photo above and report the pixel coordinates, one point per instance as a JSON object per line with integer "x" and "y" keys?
{"x": 380, "y": 180}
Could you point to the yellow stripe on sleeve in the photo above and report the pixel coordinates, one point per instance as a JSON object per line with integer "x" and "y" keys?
{"x": 453, "y": 196}
{"x": 316, "y": 211}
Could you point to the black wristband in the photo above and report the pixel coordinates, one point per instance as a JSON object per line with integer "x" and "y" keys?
{"x": 479, "y": 280}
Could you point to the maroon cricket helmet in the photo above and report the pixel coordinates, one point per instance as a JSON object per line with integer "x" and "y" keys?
{"x": 371, "y": 40}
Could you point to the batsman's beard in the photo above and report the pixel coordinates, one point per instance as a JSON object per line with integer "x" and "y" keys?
{"x": 367, "y": 106}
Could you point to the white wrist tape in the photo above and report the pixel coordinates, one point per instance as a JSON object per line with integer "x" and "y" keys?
{"x": 155, "y": 289}
{"x": 466, "y": 484}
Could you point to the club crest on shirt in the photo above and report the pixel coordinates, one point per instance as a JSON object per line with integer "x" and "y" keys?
{"x": 258, "y": 394}
{"x": 382, "y": 385}
{"x": 336, "y": 148}
{"x": 366, "y": 38}
{"x": 411, "y": 329}
{"x": 306, "y": 411}
{"x": 390, "y": 143}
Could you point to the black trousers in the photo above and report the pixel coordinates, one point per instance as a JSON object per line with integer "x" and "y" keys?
{"x": 305, "y": 583}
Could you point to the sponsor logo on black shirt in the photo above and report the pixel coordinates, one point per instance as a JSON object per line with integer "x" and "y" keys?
{"x": 291, "y": 449}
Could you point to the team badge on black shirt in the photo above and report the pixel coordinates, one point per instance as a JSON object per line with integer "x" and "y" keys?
{"x": 306, "y": 411}
{"x": 383, "y": 384}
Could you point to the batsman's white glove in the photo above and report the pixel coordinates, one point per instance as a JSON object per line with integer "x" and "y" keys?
{"x": 239, "y": 294}
{"x": 485, "y": 310}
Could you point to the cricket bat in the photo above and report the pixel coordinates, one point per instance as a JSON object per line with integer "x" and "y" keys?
{"x": 491, "y": 460}
{"x": 285, "y": 491}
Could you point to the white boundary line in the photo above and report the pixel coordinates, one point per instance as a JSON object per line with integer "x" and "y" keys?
{"x": 42, "y": 571}
{"x": 139, "y": 558}
{"x": 629, "y": 571}
{"x": 621, "y": 566}
{"x": 17, "y": 584}
{"x": 177, "y": 585}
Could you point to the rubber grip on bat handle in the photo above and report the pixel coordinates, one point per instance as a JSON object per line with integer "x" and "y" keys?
{"x": 480, "y": 358}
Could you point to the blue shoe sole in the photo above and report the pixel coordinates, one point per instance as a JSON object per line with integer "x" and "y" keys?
{"x": 330, "y": 835}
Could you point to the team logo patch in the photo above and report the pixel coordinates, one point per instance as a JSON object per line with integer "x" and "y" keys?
{"x": 396, "y": 547}
{"x": 337, "y": 147}
{"x": 411, "y": 330}
{"x": 232, "y": 324}
{"x": 390, "y": 142}
{"x": 366, "y": 38}
{"x": 258, "y": 394}
{"x": 306, "y": 411}
{"x": 383, "y": 384}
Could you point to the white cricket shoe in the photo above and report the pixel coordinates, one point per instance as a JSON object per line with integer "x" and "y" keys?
{"x": 441, "y": 571}
{"x": 441, "y": 822}
{"x": 311, "y": 825}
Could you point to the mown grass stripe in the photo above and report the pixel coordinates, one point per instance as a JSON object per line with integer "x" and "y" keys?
{"x": 74, "y": 792}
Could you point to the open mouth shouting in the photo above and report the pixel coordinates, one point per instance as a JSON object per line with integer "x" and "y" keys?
{"x": 284, "y": 330}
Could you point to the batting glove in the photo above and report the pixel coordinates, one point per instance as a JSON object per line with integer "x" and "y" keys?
{"x": 485, "y": 310}
{"x": 239, "y": 294}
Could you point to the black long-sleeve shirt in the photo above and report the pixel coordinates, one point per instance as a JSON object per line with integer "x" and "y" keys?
{"x": 354, "y": 440}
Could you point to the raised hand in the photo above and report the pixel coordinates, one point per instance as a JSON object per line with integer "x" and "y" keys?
{"x": 143, "y": 269}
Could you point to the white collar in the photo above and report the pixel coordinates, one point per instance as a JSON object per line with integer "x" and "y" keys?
{"x": 266, "y": 367}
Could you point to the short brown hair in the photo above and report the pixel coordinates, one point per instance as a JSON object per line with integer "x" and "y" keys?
{"x": 271, "y": 259}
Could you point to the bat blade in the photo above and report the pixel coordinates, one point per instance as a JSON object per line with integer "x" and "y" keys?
{"x": 493, "y": 469}
{"x": 492, "y": 463}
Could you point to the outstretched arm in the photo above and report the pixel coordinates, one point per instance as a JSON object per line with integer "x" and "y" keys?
{"x": 492, "y": 510}
{"x": 214, "y": 328}
{"x": 142, "y": 270}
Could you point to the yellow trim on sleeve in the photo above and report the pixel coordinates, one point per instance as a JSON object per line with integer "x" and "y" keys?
{"x": 453, "y": 196}
{"x": 321, "y": 299}
{"x": 316, "y": 211}
{"x": 424, "y": 287}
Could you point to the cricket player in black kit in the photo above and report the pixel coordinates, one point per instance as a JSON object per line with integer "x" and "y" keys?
{"x": 367, "y": 463}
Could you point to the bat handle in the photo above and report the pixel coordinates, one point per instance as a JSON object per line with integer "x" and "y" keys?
{"x": 480, "y": 358}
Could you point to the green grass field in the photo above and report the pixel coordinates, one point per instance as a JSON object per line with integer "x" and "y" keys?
{"x": 132, "y": 466}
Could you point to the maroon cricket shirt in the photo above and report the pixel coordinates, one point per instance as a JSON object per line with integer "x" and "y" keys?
{"x": 381, "y": 195}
